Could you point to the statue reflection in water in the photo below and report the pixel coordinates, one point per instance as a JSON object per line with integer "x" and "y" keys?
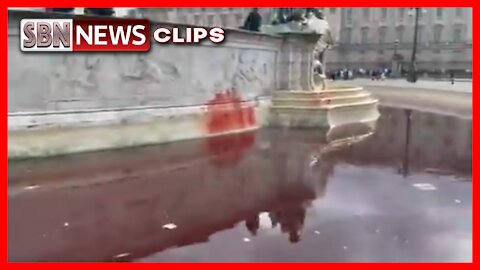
{"x": 301, "y": 179}
{"x": 290, "y": 217}
{"x": 253, "y": 224}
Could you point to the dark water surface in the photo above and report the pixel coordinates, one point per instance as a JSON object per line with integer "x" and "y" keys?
{"x": 403, "y": 193}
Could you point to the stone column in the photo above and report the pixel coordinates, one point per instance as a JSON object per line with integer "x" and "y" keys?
{"x": 309, "y": 44}
{"x": 296, "y": 65}
{"x": 285, "y": 65}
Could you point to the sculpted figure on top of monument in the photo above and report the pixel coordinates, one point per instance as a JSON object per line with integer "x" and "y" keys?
{"x": 308, "y": 20}
{"x": 317, "y": 23}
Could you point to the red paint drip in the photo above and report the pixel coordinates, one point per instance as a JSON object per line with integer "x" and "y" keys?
{"x": 226, "y": 112}
{"x": 448, "y": 141}
{"x": 317, "y": 102}
{"x": 228, "y": 150}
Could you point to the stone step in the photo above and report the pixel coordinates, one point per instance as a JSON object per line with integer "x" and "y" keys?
{"x": 362, "y": 111}
{"x": 335, "y": 92}
{"x": 323, "y": 101}
{"x": 324, "y": 116}
{"x": 369, "y": 102}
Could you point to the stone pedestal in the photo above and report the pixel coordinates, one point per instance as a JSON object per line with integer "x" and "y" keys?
{"x": 296, "y": 62}
{"x": 323, "y": 109}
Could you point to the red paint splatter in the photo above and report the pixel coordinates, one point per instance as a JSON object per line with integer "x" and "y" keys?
{"x": 228, "y": 150}
{"x": 430, "y": 121}
{"x": 320, "y": 99}
{"x": 227, "y": 112}
{"x": 448, "y": 141}
{"x": 418, "y": 154}
{"x": 316, "y": 102}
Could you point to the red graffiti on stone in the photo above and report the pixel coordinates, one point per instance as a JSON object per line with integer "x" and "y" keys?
{"x": 448, "y": 141}
{"x": 321, "y": 101}
{"x": 227, "y": 112}
{"x": 317, "y": 102}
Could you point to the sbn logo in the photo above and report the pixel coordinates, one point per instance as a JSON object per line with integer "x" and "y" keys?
{"x": 63, "y": 35}
{"x": 46, "y": 35}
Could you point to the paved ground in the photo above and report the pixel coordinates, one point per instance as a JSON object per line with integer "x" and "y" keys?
{"x": 460, "y": 86}
{"x": 431, "y": 96}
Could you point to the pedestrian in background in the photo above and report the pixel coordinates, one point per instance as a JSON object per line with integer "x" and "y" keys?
{"x": 253, "y": 21}
{"x": 99, "y": 11}
{"x": 452, "y": 78}
{"x": 333, "y": 76}
{"x": 61, "y": 10}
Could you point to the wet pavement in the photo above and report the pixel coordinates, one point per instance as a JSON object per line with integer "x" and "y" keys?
{"x": 399, "y": 192}
{"x": 461, "y": 86}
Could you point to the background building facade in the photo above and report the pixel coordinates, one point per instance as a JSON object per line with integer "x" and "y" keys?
{"x": 334, "y": 18}
{"x": 370, "y": 37}
{"x": 367, "y": 38}
{"x": 221, "y": 17}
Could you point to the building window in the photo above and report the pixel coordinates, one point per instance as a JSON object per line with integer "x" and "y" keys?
{"x": 400, "y": 31}
{"x": 366, "y": 14}
{"x": 333, "y": 10}
{"x": 364, "y": 36}
{"x": 183, "y": 19}
{"x": 420, "y": 14}
{"x": 239, "y": 19}
{"x": 458, "y": 12}
{"x": 439, "y": 13}
{"x": 382, "y": 32}
{"x": 224, "y": 20}
{"x": 421, "y": 34}
{"x": 437, "y": 33}
{"x": 348, "y": 35}
{"x": 384, "y": 14}
{"x": 210, "y": 20}
{"x": 457, "y": 35}
{"x": 401, "y": 13}
{"x": 349, "y": 15}
{"x": 196, "y": 19}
